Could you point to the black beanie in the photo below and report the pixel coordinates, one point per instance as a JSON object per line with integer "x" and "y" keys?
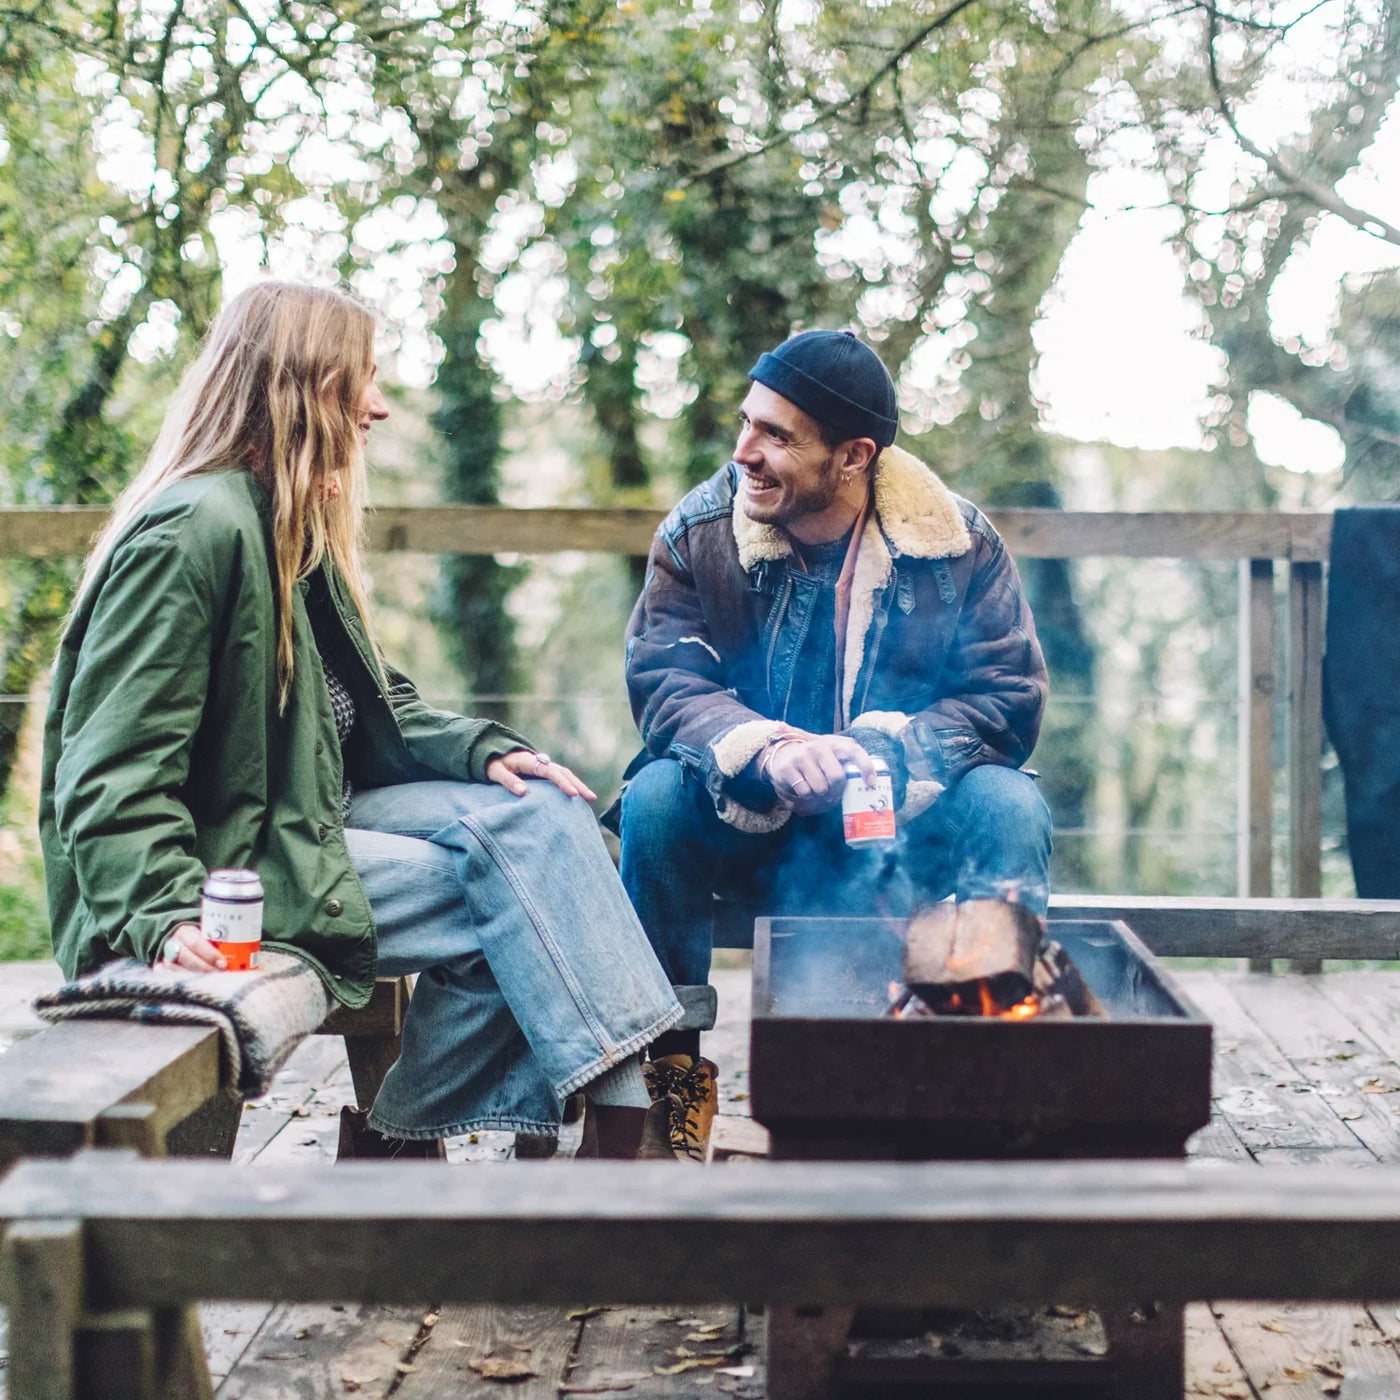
{"x": 835, "y": 378}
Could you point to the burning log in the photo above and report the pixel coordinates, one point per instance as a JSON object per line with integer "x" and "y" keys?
{"x": 975, "y": 958}
{"x": 1057, "y": 978}
{"x": 1059, "y": 993}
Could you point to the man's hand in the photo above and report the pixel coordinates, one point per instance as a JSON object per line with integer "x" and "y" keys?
{"x": 809, "y": 774}
{"x": 511, "y": 770}
{"x": 189, "y": 950}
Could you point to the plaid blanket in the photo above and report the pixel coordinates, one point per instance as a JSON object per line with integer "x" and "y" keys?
{"x": 261, "y": 1016}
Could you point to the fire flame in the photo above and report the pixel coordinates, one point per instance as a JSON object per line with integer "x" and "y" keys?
{"x": 1022, "y": 1011}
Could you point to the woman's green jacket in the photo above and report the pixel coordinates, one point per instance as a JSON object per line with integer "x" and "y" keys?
{"x": 165, "y": 755}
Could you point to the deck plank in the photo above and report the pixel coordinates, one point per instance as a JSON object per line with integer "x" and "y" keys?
{"x": 539, "y": 1339}
{"x": 1297, "y": 1351}
{"x": 1269, "y": 1103}
{"x": 324, "y": 1352}
{"x": 642, "y": 1347}
{"x": 1212, "y": 1368}
{"x": 1356, "y": 1079}
{"x": 1371, "y": 1000}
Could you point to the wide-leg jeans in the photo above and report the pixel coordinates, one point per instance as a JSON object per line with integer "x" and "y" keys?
{"x": 534, "y": 974}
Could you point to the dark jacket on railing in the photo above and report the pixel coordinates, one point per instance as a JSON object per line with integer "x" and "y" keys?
{"x": 941, "y": 651}
{"x": 1361, "y": 689}
{"x": 165, "y": 755}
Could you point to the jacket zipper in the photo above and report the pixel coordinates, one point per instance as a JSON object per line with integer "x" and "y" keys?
{"x": 871, "y": 656}
{"x": 792, "y": 672}
{"x": 781, "y": 607}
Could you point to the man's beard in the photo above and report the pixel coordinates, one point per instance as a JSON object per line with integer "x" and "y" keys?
{"x": 813, "y": 499}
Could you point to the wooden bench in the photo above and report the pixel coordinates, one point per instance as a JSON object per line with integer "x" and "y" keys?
{"x": 156, "y": 1088}
{"x": 98, "y": 1250}
{"x": 1305, "y": 930}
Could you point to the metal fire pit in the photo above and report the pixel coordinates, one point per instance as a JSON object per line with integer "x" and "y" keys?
{"x": 832, "y": 1076}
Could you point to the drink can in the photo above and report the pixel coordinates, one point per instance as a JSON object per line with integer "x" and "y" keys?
{"x": 867, "y": 809}
{"x": 231, "y": 916}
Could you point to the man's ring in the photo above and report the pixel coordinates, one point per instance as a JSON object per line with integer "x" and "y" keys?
{"x": 799, "y": 782}
{"x": 542, "y": 761}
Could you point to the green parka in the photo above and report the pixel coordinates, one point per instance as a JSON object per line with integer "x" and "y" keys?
{"x": 165, "y": 755}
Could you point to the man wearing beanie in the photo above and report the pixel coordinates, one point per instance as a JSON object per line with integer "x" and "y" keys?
{"x": 821, "y": 600}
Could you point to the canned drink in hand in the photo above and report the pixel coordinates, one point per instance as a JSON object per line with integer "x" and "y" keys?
{"x": 867, "y": 809}
{"x": 231, "y": 916}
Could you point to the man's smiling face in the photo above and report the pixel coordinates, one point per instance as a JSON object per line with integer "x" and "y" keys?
{"x": 789, "y": 472}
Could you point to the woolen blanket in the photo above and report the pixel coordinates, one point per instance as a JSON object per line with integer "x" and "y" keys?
{"x": 261, "y": 1016}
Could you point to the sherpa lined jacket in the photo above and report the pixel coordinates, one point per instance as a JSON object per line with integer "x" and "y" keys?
{"x": 941, "y": 650}
{"x": 165, "y": 755}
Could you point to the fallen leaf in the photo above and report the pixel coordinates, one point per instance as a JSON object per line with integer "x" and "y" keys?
{"x": 277, "y": 1356}
{"x": 602, "y": 1388}
{"x": 691, "y": 1363}
{"x": 405, "y": 1368}
{"x": 1091, "y": 1348}
{"x": 1269, "y": 1326}
{"x": 704, "y": 1336}
{"x": 501, "y": 1368}
{"x": 743, "y": 1372}
{"x": 681, "y": 1351}
{"x": 737, "y": 1098}
{"x": 430, "y": 1319}
{"x": 687, "y": 1321}
{"x": 1294, "y": 1374}
{"x": 301, "y": 1111}
{"x": 579, "y": 1314}
{"x": 1328, "y": 1368}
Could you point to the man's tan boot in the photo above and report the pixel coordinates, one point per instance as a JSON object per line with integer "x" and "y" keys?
{"x": 691, "y": 1088}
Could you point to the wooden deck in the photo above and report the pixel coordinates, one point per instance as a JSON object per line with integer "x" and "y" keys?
{"x": 1306, "y": 1069}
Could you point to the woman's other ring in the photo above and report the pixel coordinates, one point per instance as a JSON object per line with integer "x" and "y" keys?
{"x": 171, "y": 951}
{"x": 542, "y": 761}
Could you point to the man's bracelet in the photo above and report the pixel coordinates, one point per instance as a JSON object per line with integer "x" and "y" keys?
{"x": 770, "y": 752}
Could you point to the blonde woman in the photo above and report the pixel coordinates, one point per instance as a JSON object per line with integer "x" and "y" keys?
{"x": 218, "y": 700}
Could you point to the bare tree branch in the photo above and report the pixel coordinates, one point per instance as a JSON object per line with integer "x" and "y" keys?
{"x": 827, "y": 109}
{"x": 1321, "y": 196}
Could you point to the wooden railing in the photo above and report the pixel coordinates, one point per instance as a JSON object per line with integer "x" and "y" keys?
{"x": 1259, "y": 540}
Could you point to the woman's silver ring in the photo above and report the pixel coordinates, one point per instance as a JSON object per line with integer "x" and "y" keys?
{"x": 171, "y": 951}
{"x": 542, "y": 761}
{"x": 799, "y": 782}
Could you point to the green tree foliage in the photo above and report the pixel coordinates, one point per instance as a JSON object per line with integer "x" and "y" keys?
{"x": 702, "y": 177}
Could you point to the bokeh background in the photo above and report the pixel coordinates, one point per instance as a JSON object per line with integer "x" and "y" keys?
{"x": 1135, "y": 255}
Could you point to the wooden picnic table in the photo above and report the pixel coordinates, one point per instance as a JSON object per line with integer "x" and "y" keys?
{"x": 1307, "y": 1070}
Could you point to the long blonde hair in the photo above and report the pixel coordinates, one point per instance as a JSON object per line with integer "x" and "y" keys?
{"x": 275, "y": 391}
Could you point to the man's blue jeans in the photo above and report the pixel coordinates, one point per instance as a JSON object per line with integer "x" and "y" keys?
{"x": 986, "y": 837}
{"x": 534, "y": 974}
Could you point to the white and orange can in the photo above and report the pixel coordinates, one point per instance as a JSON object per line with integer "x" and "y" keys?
{"x": 867, "y": 809}
{"x": 231, "y": 916}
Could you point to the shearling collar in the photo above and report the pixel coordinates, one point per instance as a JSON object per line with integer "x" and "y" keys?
{"x": 916, "y": 511}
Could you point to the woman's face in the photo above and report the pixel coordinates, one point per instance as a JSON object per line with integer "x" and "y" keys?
{"x": 373, "y": 407}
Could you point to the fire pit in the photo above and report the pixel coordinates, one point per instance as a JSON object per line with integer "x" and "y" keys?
{"x": 836, "y": 1074}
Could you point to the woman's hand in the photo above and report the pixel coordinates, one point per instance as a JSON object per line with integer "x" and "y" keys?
{"x": 512, "y": 768}
{"x": 189, "y": 950}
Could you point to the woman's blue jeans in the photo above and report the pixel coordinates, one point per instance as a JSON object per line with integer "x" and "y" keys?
{"x": 986, "y": 837}
{"x": 534, "y": 974}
